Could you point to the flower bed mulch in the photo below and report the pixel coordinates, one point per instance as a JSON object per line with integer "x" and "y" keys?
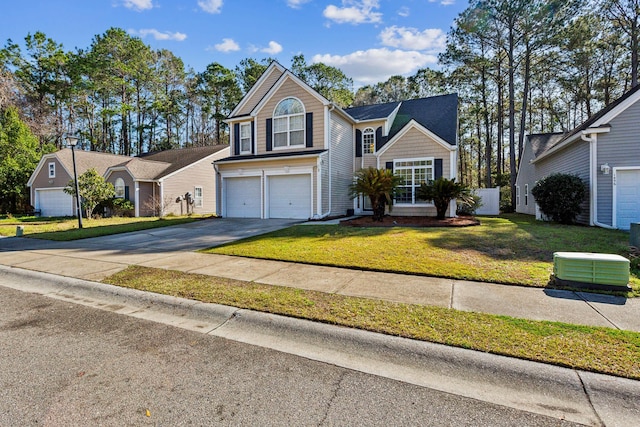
{"x": 411, "y": 221}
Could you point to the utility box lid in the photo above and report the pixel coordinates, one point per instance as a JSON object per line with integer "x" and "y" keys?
{"x": 604, "y": 269}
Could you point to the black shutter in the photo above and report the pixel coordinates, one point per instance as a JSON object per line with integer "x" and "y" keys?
{"x": 253, "y": 138}
{"x": 378, "y": 138}
{"x": 358, "y": 143}
{"x": 309, "y": 130}
{"x": 269, "y": 129}
{"x": 389, "y": 165}
{"x": 126, "y": 192}
{"x": 236, "y": 139}
{"x": 437, "y": 169}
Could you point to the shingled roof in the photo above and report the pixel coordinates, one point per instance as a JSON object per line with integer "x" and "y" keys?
{"x": 86, "y": 160}
{"x": 438, "y": 114}
{"x": 180, "y": 158}
{"x": 540, "y": 142}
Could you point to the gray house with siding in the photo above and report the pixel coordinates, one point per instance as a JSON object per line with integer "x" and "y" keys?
{"x": 294, "y": 153}
{"x": 604, "y": 152}
{"x": 152, "y": 182}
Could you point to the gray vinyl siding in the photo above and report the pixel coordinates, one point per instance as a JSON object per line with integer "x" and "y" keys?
{"x": 526, "y": 175}
{"x": 620, "y": 147}
{"x": 572, "y": 160}
{"x": 341, "y": 157}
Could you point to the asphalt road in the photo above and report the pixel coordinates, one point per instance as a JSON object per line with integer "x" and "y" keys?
{"x": 68, "y": 364}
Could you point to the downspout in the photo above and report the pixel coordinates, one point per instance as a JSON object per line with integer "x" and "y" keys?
{"x": 218, "y": 190}
{"x": 161, "y": 198}
{"x": 593, "y": 157}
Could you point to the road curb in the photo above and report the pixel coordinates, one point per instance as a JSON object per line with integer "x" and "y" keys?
{"x": 587, "y": 398}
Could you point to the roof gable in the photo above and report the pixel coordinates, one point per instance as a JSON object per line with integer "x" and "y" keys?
{"x": 413, "y": 124}
{"x": 274, "y": 69}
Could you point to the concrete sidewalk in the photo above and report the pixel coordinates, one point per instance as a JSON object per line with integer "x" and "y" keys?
{"x": 95, "y": 259}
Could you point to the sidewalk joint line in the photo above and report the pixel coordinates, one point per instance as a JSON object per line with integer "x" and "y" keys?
{"x": 598, "y": 311}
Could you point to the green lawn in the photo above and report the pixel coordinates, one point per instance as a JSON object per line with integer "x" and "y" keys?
{"x": 594, "y": 349}
{"x": 512, "y": 249}
{"x": 64, "y": 229}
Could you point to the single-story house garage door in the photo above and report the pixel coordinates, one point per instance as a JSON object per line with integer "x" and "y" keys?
{"x": 242, "y": 197}
{"x": 54, "y": 202}
{"x": 627, "y": 198}
{"x": 290, "y": 196}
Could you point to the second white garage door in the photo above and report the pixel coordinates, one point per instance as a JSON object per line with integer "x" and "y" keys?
{"x": 627, "y": 198}
{"x": 242, "y": 197}
{"x": 290, "y": 196}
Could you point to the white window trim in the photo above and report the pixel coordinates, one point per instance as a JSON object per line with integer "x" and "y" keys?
{"x": 240, "y": 138}
{"x": 517, "y": 195}
{"x": 52, "y": 169}
{"x": 526, "y": 194}
{"x": 414, "y": 202}
{"x": 198, "y": 202}
{"x": 373, "y": 134}
{"x": 115, "y": 187}
{"x": 288, "y": 132}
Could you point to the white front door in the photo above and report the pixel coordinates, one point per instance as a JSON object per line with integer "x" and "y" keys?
{"x": 54, "y": 202}
{"x": 290, "y": 196}
{"x": 242, "y": 197}
{"x": 627, "y": 198}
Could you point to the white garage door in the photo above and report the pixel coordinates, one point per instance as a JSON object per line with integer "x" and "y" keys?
{"x": 242, "y": 197}
{"x": 627, "y": 198}
{"x": 54, "y": 203}
{"x": 290, "y": 196}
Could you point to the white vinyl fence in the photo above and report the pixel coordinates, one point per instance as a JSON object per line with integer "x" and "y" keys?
{"x": 490, "y": 201}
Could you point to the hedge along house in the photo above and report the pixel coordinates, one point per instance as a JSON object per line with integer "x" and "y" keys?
{"x": 152, "y": 182}
{"x": 604, "y": 152}
{"x": 294, "y": 153}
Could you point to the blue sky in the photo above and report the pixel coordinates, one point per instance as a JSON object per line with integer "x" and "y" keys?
{"x": 369, "y": 40}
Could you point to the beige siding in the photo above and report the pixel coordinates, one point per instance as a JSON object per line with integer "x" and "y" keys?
{"x": 369, "y": 160}
{"x": 341, "y": 158}
{"x": 266, "y": 166}
{"x": 43, "y": 181}
{"x": 311, "y": 105}
{"x": 415, "y": 144}
{"x": 199, "y": 174}
{"x": 261, "y": 91}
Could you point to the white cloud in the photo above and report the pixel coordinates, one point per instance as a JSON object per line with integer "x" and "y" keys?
{"x": 404, "y": 11}
{"x": 354, "y": 12}
{"x": 443, "y": 2}
{"x": 295, "y": 4}
{"x": 138, "y": 5}
{"x": 412, "y": 38}
{"x": 273, "y": 49}
{"x": 375, "y": 65}
{"x": 227, "y": 45}
{"x": 159, "y": 35}
{"x": 210, "y": 6}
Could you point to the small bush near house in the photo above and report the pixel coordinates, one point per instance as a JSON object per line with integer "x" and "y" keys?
{"x": 470, "y": 206}
{"x": 442, "y": 191}
{"x": 559, "y": 196}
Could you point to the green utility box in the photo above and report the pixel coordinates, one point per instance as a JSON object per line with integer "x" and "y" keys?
{"x": 593, "y": 271}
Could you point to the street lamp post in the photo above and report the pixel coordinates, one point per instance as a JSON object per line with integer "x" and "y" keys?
{"x": 73, "y": 141}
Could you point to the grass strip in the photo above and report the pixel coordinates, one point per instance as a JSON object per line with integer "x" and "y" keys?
{"x": 594, "y": 349}
{"x": 65, "y": 229}
{"x": 512, "y": 249}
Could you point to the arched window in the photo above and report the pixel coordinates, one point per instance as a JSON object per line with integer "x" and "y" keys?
{"x": 369, "y": 141}
{"x": 288, "y": 123}
{"x": 119, "y": 186}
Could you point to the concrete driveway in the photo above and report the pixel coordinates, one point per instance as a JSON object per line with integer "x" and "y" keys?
{"x": 186, "y": 237}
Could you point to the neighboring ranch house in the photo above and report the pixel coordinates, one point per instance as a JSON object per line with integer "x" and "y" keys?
{"x": 604, "y": 151}
{"x": 294, "y": 153}
{"x": 153, "y": 181}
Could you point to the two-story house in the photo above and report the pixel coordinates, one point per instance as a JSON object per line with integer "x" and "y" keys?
{"x": 294, "y": 153}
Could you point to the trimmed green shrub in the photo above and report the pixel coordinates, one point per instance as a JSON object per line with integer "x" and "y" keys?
{"x": 470, "y": 205}
{"x": 559, "y": 197}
